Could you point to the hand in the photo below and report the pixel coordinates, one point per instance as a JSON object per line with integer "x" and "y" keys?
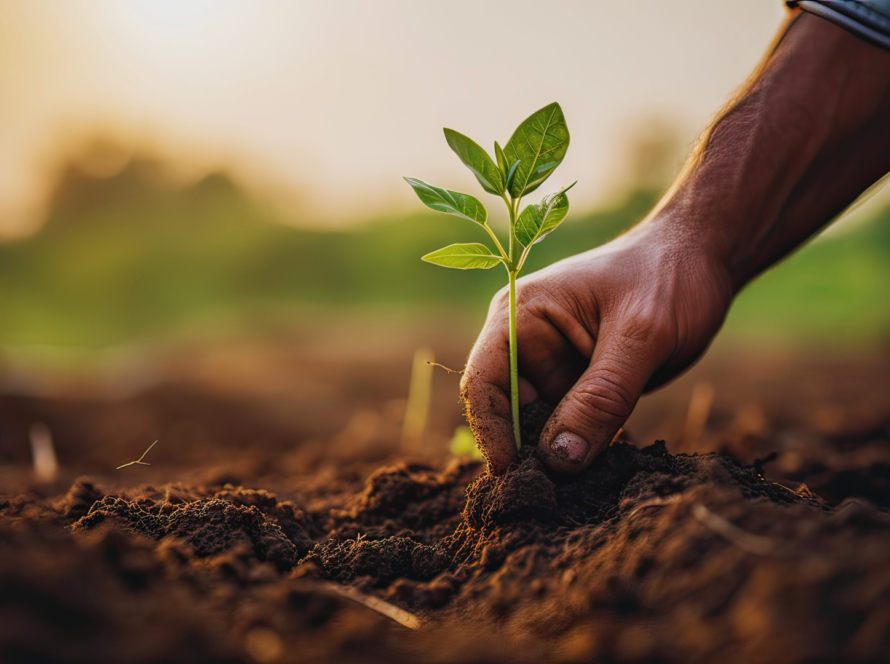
{"x": 806, "y": 135}
{"x": 595, "y": 331}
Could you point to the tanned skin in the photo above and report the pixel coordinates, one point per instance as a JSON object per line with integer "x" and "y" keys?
{"x": 807, "y": 134}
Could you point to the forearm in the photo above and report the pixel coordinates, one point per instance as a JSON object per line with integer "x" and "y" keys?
{"x": 806, "y": 137}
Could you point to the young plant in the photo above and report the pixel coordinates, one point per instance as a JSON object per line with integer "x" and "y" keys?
{"x": 531, "y": 155}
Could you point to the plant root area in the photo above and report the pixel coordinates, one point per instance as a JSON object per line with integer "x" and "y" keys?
{"x": 648, "y": 555}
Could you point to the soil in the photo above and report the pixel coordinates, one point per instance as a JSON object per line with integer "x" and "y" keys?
{"x": 646, "y": 556}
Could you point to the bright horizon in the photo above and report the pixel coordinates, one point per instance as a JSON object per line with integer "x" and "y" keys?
{"x": 327, "y": 105}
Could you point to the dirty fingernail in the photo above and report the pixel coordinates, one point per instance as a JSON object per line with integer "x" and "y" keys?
{"x": 570, "y": 447}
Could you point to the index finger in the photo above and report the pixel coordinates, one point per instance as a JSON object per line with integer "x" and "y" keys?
{"x": 484, "y": 391}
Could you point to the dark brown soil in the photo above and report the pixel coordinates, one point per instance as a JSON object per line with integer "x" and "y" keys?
{"x": 646, "y": 556}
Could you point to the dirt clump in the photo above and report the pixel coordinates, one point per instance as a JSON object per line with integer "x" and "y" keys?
{"x": 644, "y": 556}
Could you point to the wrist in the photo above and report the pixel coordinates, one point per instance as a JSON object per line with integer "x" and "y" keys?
{"x": 719, "y": 226}
{"x": 803, "y": 140}
{"x": 691, "y": 240}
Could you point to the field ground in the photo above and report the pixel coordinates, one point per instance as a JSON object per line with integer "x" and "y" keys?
{"x": 279, "y": 471}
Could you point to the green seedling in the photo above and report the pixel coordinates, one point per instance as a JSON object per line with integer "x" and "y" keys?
{"x": 531, "y": 155}
{"x": 463, "y": 443}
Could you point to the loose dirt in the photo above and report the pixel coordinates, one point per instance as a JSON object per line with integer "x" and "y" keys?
{"x": 646, "y": 556}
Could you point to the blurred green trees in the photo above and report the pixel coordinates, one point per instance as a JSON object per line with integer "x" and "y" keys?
{"x": 122, "y": 258}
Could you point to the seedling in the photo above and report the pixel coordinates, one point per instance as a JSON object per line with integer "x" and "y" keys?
{"x": 531, "y": 155}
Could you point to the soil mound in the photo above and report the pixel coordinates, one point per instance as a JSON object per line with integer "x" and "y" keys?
{"x": 645, "y": 556}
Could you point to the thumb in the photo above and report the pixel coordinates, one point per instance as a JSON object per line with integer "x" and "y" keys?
{"x": 598, "y": 405}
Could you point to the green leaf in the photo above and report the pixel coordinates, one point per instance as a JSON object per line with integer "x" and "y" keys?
{"x": 472, "y": 256}
{"x": 511, "y": 174}
{"x": 477, "y": 160}
{"x": 502, "y": 160}
{"x": 540, "y": 142}
{"x": 449, "y": 202}
{"x": 537, "y": 221}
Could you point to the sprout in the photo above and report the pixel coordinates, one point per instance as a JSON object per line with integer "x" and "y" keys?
{"x": 531, "y": 155}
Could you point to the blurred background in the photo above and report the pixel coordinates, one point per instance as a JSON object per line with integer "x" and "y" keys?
{"x": 206, "y": 238}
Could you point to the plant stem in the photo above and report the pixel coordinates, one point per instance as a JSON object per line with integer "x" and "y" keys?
{"x": 497, "y": 242}
{"x": 513, "y": 271}
{"x": 514, "y": 363}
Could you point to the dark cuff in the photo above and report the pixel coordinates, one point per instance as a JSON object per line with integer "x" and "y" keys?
{"x": 869, "y": 19}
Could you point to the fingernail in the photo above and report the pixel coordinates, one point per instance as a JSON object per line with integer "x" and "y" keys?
{"x": 569, "y": 447}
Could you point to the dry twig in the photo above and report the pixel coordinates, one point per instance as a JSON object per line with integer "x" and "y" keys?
{"x": 756, "y": 544}
{"x": 699, "y": 411}
{"x": 46, "y": 465}
{"x": 139, "y": 461}
{"x": 655, "y": 502}
{"x": 417, "y": 407}
{"x": 442, "y": 366}
{"x": 404, "y": 618}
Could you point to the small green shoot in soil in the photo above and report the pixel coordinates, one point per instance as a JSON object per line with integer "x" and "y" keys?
{"x": 531, "y": 155}
{"x": 463, "y": 444}
{"x": 139, "y": 461}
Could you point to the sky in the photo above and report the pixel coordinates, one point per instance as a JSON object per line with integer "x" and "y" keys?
{"x": 325, "y": 105}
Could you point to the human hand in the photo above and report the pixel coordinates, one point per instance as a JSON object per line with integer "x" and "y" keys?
{"x": 595, "y": 331}
{"x": 806, "y": 135}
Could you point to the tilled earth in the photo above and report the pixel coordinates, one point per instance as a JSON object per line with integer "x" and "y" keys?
{"x": 646, "y": 556}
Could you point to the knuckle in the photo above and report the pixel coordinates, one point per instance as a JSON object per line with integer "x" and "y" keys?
{"x": 646, "y": 329}
{"x": 638, "y": 328}
{"x": 529, "y": 292}
{"x": 606, "y": 393}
